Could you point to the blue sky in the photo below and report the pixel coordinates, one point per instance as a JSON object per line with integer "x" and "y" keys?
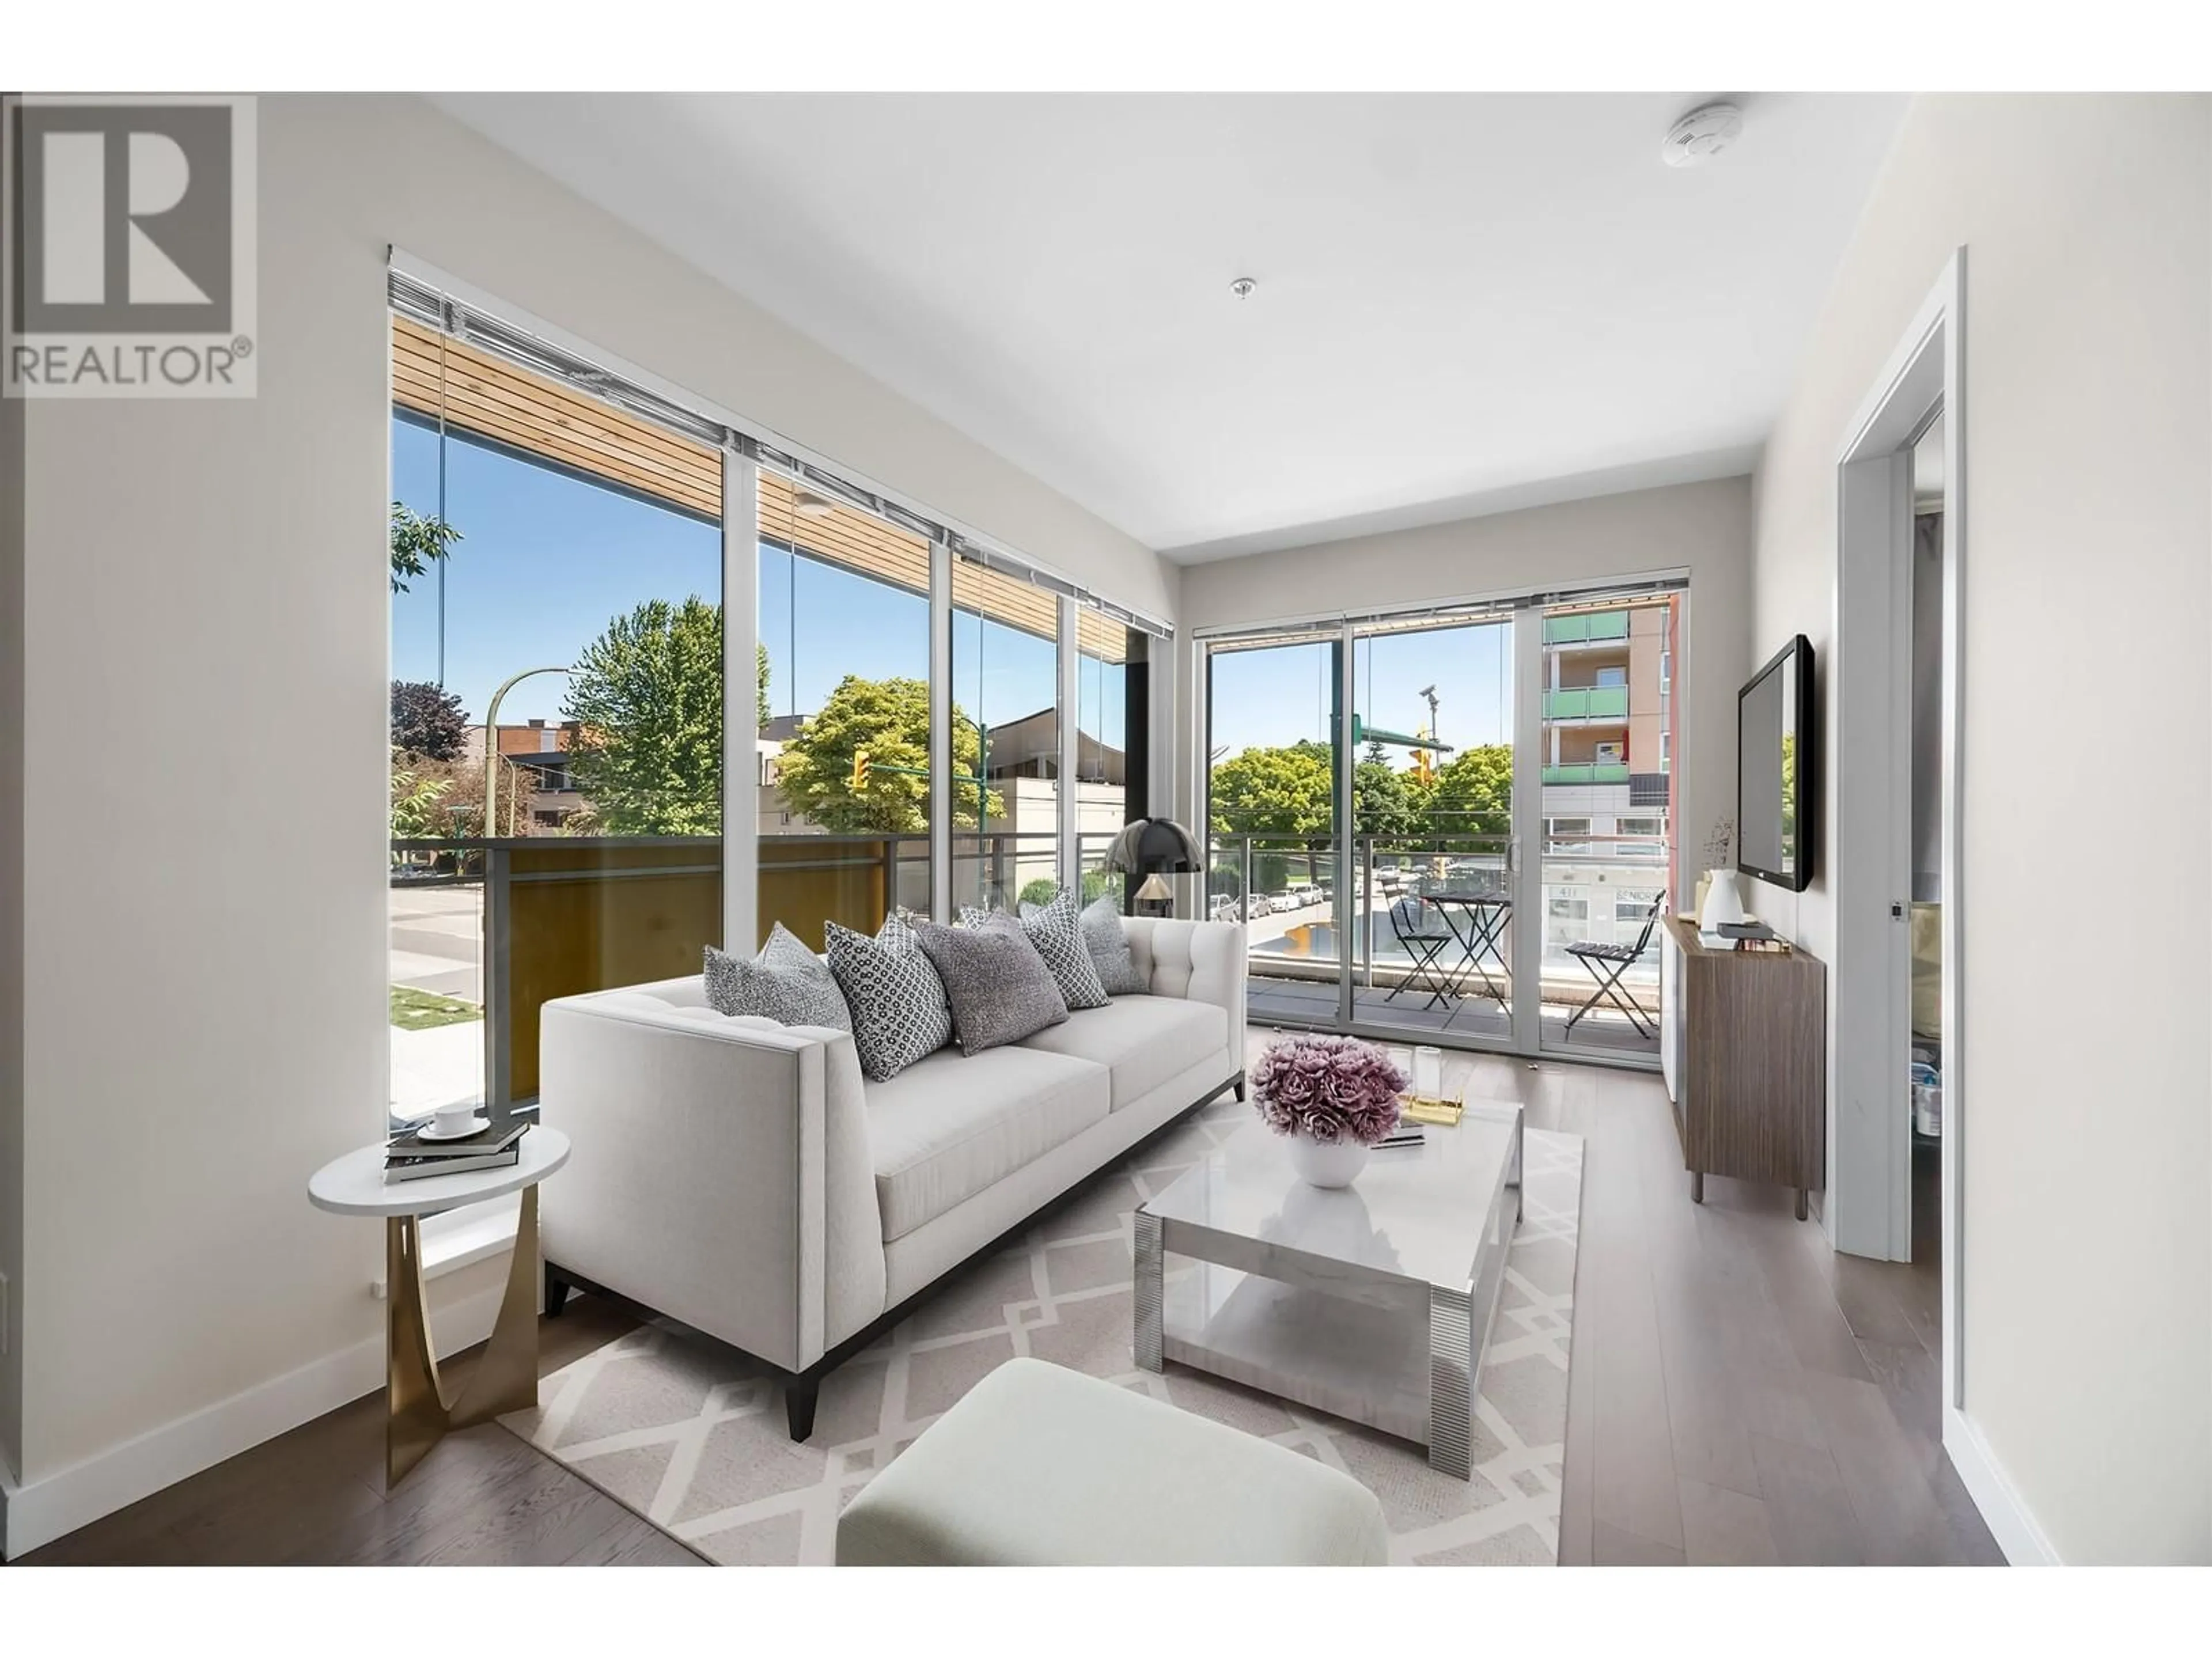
{"x": 546, "y": 561}
{"x": 1281, "y": 695}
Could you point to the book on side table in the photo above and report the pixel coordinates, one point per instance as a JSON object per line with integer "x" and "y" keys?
{"x": 411, "y": 1156}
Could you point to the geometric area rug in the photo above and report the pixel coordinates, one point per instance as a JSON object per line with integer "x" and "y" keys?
{"x": 689, "y": 1434}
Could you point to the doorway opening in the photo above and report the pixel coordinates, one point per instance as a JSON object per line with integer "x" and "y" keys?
{"x": 1896, "y": 1106}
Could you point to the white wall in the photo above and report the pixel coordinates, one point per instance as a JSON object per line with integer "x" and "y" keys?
{"x": 1702, "y": 528}
{"x": 2088, "y": 1128}
{"x": 206, "y": 589}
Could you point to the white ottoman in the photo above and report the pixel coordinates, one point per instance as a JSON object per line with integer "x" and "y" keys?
{"x": 1039, "y": 1466}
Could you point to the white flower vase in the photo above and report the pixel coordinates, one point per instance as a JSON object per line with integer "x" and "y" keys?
{"x": 1723, "y": 901}
{"x": 1320, "y": 1164}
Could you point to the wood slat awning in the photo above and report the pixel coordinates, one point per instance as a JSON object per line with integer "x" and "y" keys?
{"x": 434, "y": 375}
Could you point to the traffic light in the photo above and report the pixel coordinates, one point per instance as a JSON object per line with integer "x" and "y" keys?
{"x": 860, "y": 769}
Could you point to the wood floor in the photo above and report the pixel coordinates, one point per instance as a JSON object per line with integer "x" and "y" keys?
{"x": 1738, "y": 1393}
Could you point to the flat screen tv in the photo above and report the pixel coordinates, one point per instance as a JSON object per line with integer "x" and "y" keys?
{"x": 1774, "y": 769}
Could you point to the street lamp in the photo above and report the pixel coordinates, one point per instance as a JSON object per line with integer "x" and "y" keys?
{"x": 491, "y": 746}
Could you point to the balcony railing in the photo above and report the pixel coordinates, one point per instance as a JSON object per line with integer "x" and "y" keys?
{"x": 1587, "y": 702}
{"x": 1595, "y": 626}
{"x": 493, "y": 929}
{"x": 1587, "y": 772}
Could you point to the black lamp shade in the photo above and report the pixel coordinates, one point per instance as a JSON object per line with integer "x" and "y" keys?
{"x": 1150, "y": 844}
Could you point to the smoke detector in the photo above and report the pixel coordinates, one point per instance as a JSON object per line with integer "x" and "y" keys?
{"x": 1242, "y": 287}
{"x": 1702, "y": 134}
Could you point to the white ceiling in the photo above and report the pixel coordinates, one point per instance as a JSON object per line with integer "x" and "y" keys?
{"x": 1466, "y": 302}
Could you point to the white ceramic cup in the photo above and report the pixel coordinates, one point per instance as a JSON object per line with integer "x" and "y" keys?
{"x": 457, "y": 1120}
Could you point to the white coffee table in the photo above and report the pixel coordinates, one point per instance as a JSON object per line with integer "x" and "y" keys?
{"x": 1371, "y": 1302}
{"x": 417, "y": 1411}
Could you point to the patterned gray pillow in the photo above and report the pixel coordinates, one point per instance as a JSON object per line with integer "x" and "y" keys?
{"x": 1053, "y": 930}
{"x": 898, "y": 1001}
{"x": 998, "y": 987}
{"x": 1104, "y": 937}
{"x": 787, "y": 983}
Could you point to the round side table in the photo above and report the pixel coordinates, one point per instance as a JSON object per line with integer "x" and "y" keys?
{"x": 417, "y": 1411}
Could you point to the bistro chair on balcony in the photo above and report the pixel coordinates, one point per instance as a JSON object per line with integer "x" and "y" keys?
{"x": 1608, "y": 962}
{"x": 1424, "y": 943}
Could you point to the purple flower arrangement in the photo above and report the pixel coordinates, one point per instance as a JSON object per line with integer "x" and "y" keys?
{"x": 1328, "y": 1089}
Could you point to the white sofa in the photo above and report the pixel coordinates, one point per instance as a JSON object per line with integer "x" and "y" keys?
{"x": 742, "y": 1176}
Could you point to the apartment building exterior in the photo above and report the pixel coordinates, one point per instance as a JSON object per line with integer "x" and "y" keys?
{"x": 1607, "y": 738}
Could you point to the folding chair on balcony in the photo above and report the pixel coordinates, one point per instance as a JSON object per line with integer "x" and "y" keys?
{"x": 1409, "y": 923}
{"x": 1608, "y": 962}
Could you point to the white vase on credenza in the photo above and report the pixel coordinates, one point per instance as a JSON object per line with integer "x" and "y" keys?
{"x": 1723, "y": 901}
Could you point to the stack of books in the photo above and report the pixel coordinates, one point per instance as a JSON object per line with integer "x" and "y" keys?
{"x": 1407, "y": 1133}
{"x": 409, "y": 1157}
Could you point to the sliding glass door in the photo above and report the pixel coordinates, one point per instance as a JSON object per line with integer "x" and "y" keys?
{"x": 1432, "y": 848}
{"x": 1454, "y": 827}
{"x": 1274, "y": 806}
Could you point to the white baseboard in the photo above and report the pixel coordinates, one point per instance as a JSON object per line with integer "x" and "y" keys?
{"x": 2007, "y": 1518}
{"x": 39, "y": 1511}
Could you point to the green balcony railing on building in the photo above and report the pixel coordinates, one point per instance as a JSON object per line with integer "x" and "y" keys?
{"x": 1591, "y": 625}
{"x": 1588, "y": 771}
{"x": 1587, "y": 702}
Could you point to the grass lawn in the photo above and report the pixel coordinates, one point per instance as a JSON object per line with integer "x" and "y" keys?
{"x": 418, "y": 1011}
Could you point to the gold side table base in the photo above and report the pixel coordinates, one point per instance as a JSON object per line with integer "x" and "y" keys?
{"x": 419, "y": 1411}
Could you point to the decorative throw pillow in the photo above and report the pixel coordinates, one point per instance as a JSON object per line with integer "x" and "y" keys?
{"x": 898, "y": 1001}
{"x": 1053, "y": 929}
{"x": 1108, "y": 942}
{"x": 998, "y": 987}
{"x": 787, "y": 983}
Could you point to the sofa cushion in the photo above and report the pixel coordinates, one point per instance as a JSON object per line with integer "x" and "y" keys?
{"x": 1108, "y": 941}
{"x": 952, "y": 1124}
{"x": 1143, "y": 1040}
{"x": 787, "y": 983}
{"x": 898, "y": 1001}
{"x": 1055, "y": 931}
{"x": 998, "y": 987}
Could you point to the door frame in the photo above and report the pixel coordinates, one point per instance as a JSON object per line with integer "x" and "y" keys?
{"x": 1868, "y": 1208}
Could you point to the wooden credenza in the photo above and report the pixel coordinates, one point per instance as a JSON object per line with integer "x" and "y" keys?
{"x": 1742, "y": 1045}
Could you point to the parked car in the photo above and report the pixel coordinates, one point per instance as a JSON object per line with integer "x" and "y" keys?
{"x": 1259, "y": 904}
{"x": 1306, "y": 893}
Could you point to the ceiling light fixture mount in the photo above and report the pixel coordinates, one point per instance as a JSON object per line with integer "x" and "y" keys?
{"x": 1242, "y": 287}
{"x": 1702, "y": 134}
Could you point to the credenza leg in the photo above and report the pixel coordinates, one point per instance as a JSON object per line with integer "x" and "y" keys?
{"x": 1697, "y": 1186}
{"x": 1804, "y": 1207}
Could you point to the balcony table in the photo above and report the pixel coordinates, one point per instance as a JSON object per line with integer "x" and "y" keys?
{"x": 1487, "y": 916}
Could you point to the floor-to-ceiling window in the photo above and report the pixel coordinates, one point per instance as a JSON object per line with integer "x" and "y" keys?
{"x": 557, "y": 710}
{"x": 1608, "y": 707}
{"x": 843, "y": 761}
{"x": 1006, "y": 739}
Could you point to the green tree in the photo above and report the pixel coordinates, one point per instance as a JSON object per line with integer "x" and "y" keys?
{"x": 1282, "y": 796}
{"x": 647, "y": 698}
{"x": 1387, "y": 804}
{"x": 889, "y": 720}
{"x": 1471, "y": 809}
{"x": 417, "y": 543}
{"x": 417, "y": 814}
{"x": 761, "y": 664}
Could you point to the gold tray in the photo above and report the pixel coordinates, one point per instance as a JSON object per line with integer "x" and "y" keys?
{"x": 1423, "y": 1109}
